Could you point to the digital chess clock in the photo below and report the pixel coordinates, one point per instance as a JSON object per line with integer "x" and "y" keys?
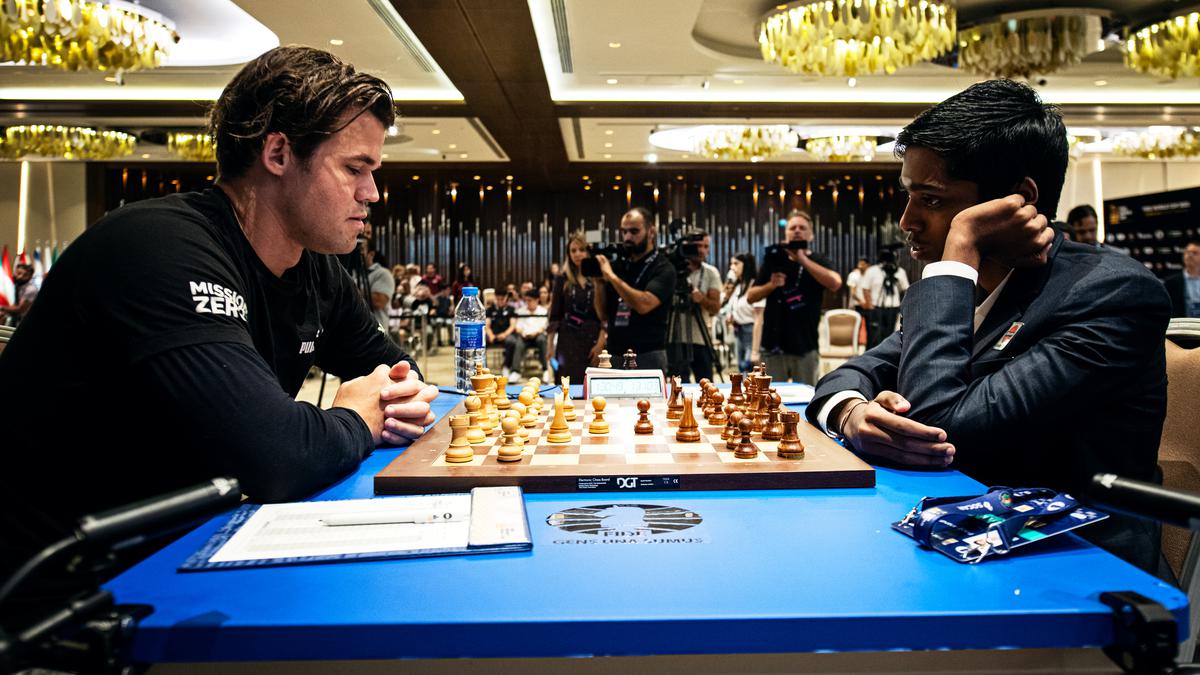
{"x": 610, "y": 383}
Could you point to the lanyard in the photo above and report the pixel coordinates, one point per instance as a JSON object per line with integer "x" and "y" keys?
{"x": 649, "y": 261}
{"x": 1009, "y": 509}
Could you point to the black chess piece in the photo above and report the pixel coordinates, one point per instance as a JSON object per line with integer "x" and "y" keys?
{"x": 630, "y": 360}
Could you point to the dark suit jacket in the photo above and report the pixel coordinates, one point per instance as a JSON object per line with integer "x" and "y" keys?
{"x": 1079, "y": 389}
{"x": 1176, "y": 292}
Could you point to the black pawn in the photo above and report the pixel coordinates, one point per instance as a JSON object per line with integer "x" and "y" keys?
{"x": 630, "y": 360}
{"x": 746, "y": 449}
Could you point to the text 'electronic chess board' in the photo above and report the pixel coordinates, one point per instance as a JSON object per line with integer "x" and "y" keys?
{"x": 619, "y": 460}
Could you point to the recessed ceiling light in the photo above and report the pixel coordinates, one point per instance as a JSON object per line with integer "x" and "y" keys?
{"x": 852, "y": 82}
{"x": 520, "y": 188}
{"x": 607, "y": 156}
{"x": 652, "y": 158}
{"x": 393, "y": 130}
{"x": 1101, "y": 83}
{"x": 585, "y": 177}
{"x": 779, "y": 177}
{"x": 587, "y": 187}
{"x": 475, "y": 177}
{"x": 336, "y": 42}
{"x": 462, "y": 155}
{"x": 684, "y": 155}
{"x": 616, "y": 178}
{"x": 608, "y": 132}
{"x": 748, "y": 176}
{"x": 489, "y": 187}
{"x": 384, "y": 155}
{"x": 145, "y": 155}
{"x": 616, "y": 187}
{"x": 732, "y": 187}
{"x": 436, "y": 132}
{"x": 110, "y": 78}
{"x": 611, "y": 80}
{"x": 739, "y": 81}
{"x": 608, "y": 145}
{"x": 678, "y": 177}
{"x": 416, "y": 177}
{"x": 453, "y": 146}
{"x": 508, "y": 178}
{"x": 615, "y": 45}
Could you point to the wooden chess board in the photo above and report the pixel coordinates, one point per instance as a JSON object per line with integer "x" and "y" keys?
{"x": 621, "y": 460}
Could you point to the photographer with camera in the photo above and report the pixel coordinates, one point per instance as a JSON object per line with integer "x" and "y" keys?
{"x": 704, "y": 291}
{"x": 636, "y": 297}
{"x": 883, "y": 287}
{"x": 793, "y": 279}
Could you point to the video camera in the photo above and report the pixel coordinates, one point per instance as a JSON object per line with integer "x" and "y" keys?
{"x": 777, "y": 254}
{"x": 681, "y": 246}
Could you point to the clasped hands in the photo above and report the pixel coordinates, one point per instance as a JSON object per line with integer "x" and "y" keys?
{"x": 393, "y": 402}
{"x": 878, "y": 429}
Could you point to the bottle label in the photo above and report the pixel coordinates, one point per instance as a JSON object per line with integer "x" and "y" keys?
{"x": 469, "y": 336}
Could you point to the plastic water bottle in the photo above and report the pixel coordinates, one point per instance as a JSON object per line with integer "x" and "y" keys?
{"x": 469, "y": 340}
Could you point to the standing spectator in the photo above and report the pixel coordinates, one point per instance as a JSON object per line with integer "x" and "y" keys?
{"x": 462, "y": 280}
{"x": 551, "y": 277}
{"x": 1184, "y": 286}
{"x": 1082, "y": 221}
{"x": 433, "y": 280}
{"x": 381, "y": 283}
{"x": 745, "y": 318}
{"x": 883, "y": 286}
{"x": 854, "y": 283}
{"x": 705, "y": 281}
{"x": 793, "y": 281}
{"x": 576, "y": 336}
{"x": 531, "y": 332}
{"x": 26, "y": 289}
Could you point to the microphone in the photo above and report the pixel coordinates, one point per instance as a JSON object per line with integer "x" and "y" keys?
{"x": 145, "y": 520}
{"x": 1146, "y": 500}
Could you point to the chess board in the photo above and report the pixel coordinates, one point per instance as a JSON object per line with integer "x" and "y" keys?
{"x": 621, "y": 460}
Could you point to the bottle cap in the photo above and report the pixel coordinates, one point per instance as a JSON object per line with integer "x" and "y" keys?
{"x": 470, "y": 290}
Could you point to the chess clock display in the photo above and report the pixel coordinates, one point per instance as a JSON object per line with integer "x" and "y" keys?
{"x": 615, "y": 384}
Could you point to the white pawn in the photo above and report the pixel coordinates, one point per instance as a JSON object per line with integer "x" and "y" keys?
{"x": 511, "y": 447}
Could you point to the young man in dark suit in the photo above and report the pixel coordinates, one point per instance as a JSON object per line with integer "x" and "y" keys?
{"x": 1024, "y": 359}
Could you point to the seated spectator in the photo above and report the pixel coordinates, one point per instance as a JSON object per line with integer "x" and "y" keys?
{"x": 1082, "y": 221}
{"x": 463, "y": 279}
{"x": 531, "y": 323}
{"x": 499, "y": 325}
{"x": 433, "y": 280}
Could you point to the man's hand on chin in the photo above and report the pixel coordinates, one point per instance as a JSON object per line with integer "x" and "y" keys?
{"x": 1007, "y": 230}
{"x": 405, "y": 404}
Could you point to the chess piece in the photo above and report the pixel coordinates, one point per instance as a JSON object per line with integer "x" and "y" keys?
{"x": 773, "y": 429}
{"x": 598, "y": 425}
{"x": 518, "y": 411}
{"x": 736, "y": 398}
{"x": 732, "y": 429}
{"x": 604, "y": 360}
{"x": 643, "y": 425}
{"x": 717, "y": 417}
{"x": 528, "y": 414}
{"x": 762, "y": 392}
{"x": 630, "y": 360}
{"x": 460, "y": 447}
{"x": 675, "y": 403}
{"x": 560, "y": 433}
{"x": 488, "y": 419}
{"x": 502, "y": 402}
{"x": 568, "y": 406}
{"x": 746, "y": 448}
{"x": 689, "y": 431}
{"x": 475, "y": 432}
{"x": 790, "y": 446}
{"x": 712, "y": 393}
{"x": 510, "y": 449}
{"x": 702, "y": 399}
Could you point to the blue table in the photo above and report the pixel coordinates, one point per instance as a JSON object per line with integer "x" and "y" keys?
{"x": 764, "y": 572}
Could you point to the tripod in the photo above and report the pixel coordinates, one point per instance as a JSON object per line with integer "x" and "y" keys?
{"x": 684, "y": 311}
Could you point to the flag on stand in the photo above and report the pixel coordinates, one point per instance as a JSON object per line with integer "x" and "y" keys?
{"x": 38, "y": 270}
{"x": 7, "y": 288}
{"x": 47, "y": 257}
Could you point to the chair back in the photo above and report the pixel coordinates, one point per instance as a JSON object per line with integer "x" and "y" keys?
{"x": 1179, "y": 457}
{"x": 839, "y": 333}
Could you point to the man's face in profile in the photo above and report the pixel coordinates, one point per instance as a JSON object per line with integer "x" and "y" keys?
{"x": 934, "y": 198}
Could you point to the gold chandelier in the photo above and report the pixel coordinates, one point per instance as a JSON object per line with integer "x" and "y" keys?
{"x": 1159, "y": 143}
{"x": 80, "y": 35}
{"x": 746, "y": 144}
{"x": 842, "y": 148}
{"x": 856, "y": 37}
{"x": 1029, "y": 43}
{"x": 192, "y": 147}
{"x": 1169, "y": 48}
{"x": 66, "y": 142}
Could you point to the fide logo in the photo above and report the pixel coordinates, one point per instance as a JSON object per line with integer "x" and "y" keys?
{"x": 624, "y": 520}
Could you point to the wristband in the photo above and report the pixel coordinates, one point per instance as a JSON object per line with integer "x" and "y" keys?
{"x": 842, "y": 426}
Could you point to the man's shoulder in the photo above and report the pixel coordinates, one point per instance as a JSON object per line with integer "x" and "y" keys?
{"x": 1100, "y": 275}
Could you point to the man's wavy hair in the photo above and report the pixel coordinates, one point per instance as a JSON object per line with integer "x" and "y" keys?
{"x": 993, "y": 134}
{"x": 305, "y": 93}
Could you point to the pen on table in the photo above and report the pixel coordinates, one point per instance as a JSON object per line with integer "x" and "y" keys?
{"x": 393, "y": 517}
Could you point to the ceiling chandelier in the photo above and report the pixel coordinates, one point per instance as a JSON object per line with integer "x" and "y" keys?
{"x": 1159, "y": 143}
{"x": 65, "y": 142}
{"x": 856, "y": 37}
{"x": 745, "y": 143}
{"x": 1168, "y": 49}
{"x": 79, "y": 35}
{"x": 1029, "y": 43}
{"x": 842, "y": 148}
{"x": 191, "y": 146}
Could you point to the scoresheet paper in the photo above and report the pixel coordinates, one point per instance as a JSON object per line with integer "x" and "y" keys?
{"x": 297, "y": 531}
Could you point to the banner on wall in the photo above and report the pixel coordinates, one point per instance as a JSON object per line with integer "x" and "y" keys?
{"x": 1153, "y": 229}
